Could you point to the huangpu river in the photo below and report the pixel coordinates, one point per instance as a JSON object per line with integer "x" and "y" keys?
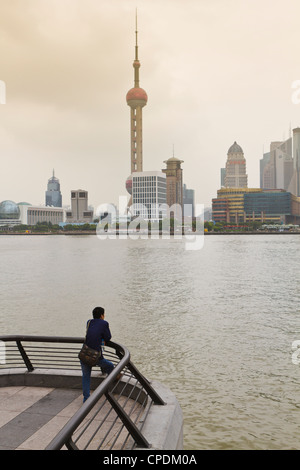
{"x": 217, "y": 325}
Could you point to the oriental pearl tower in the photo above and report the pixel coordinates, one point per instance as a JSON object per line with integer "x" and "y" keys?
{"x": 136, "y": 98}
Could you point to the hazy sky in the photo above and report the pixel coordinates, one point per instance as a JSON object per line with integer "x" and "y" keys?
{"x": 215, "y": 71}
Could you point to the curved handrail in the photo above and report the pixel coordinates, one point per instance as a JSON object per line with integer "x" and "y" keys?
{"x": 64, "y": 437}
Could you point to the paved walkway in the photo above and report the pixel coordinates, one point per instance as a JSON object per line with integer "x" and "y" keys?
{"x": 30, "y": 417}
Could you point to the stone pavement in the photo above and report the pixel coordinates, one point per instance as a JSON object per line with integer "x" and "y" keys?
{"x": 30, "y": 417}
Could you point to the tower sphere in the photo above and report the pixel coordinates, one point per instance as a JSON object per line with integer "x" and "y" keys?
{"x": 136, "y": 97}
{"x": 128, "y": 184}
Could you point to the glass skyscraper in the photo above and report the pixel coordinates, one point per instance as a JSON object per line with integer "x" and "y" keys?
{"x": 53, "y": 194}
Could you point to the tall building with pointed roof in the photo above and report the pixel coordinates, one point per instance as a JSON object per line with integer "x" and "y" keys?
{"x": 53, "y": 194}
{"x": 235, "y": 171}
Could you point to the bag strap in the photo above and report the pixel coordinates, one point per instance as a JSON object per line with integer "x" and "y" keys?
{"x": 87, "y": 327}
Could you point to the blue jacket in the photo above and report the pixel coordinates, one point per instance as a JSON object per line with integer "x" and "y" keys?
{"x": 97, "y": 330}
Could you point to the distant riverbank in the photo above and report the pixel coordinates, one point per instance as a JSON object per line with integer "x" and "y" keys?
{"x": 91, "y": 232}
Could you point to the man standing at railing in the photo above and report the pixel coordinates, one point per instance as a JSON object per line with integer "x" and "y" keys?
{"x": 97, "y": 334}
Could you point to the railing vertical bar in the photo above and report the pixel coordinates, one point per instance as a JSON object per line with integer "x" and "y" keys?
{"x": 129, "y": 424}
{"x": 145, "y": 383}
{"x": 24, "y": 356}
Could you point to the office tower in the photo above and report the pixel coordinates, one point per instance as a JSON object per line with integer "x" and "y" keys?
{"x": 136, "y": 98}
{"x": 263, "y": 162}
{"x": 188, "y": 200}
{"x": 80, "y": 213}
{"x": 235, "y": 172}
{"x": 276, "y": 166}
{"x": 174, "y": 184}
{"x": 53, "y": 194}
{"x": 296, "y": 161}
{"x": 149, "y": 195}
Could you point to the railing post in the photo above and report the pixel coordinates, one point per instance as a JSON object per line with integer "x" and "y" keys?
{"x": 128, "y": 423}
{"x": 70, "y": 445}
{"x": 144, "y": 382}
{"x": 25, "y": 357}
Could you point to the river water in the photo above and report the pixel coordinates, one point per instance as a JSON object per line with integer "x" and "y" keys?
{"x": 215, "y": 325}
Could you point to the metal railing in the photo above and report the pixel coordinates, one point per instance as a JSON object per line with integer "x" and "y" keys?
{"x": 114, "y": 413}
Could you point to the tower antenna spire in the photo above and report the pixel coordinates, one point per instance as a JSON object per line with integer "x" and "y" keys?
{"x": 136, "y": 36}
{"x": 136, "y": 63}
{"x": 136, "y": 98}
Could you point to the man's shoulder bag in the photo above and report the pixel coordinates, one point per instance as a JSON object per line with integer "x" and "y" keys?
{"x": 89, "y": 356}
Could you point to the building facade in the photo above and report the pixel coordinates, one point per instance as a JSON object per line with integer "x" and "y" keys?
{"x": 220, "y": 209}
{"x": 273, "y": 206}
{"x": 53, "y": 194}
{"x": 149, "y": 195}
{"x": 270, "y": 206}
{"x": 229, "y": 205}
{"x": 80, "y": 212}
{"x": 235, "y": 171}
{"x": 35, "y": 214}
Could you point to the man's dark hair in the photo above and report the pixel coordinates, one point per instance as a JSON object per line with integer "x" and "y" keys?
{"x": 98, "y": 311}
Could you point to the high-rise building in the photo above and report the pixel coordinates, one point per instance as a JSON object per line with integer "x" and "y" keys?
{"x": 188, "y": 200}
{"x": 80, "y": 212}
{"x": 53, "y": 194}
{"x": 149, "y": 195}
{"x": 174, "y": 184}
{"x": 136, "y": 98}
{"x": 235, "y": 172}
{"x": 295, "y": 183}
{"x": 276, "y": 166}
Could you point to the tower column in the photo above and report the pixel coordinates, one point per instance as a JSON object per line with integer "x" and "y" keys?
{"x": 136, "y": 139}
